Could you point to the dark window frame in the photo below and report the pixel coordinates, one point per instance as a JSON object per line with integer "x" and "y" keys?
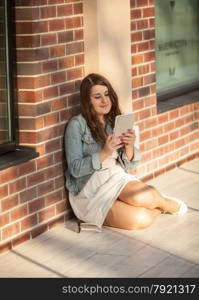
{"x": 11, "y": 153}
{"x": 9, "y": 53}
{"x": 180, "y": 96}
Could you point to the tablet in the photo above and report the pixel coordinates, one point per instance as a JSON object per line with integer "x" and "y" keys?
{"x": 123, "y": 123}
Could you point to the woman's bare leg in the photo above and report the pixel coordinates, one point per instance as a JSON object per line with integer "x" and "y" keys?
{"x": 125, "y": 216}
{"x": 140, "y": 194}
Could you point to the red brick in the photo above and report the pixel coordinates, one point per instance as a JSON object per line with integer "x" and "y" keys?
{"x": 28, "y": 195}
{"x": 36, "y": 205}
{"x": 57, "y": 51}
{"x": 29, "y": 96}
{"x": 21, "y": 239}
{"x": 148, "y": 12}
{"x": 66, "y": 62}
{"x": 74, "y": 74}
{"x": 137, "y": 59}
{"x": 45, "y": 188}
{"x": 48, "y": 12}
{"x": 136, "y": 14}
{"x": 136, "y": 37}
{"x": 149, "y": 34}
{"x": 5, "y": 247}
{"x": 142, "y": 24}
{"x": 39, "y": 230}
{"x": 27, "y": 110}
{"x": 29, "y": 222}
{"x": 51, "y": 119}
{"x": 10, "y": 230}
{"x": 143, "y": 114}
{"x": 27, "y": 41}
{"x": 33, "y": 82}
{"x": 64, "y": 10}
{"x": 173, "y": 114}
{"x": 133, "y": 25}
{"x": 163, "y": 118}
{"x": 53, "y": 198}
{"x": 26, "y": 13}
{"x": 142, "y": 3}
{"x": 31, "y": 27}
{"x": 174, "y": 135}
{"x": 58, "y": 77}
{"x": 46, "y": 214}
{"x": 19, "y": 213}
{"x": 48, "y": 39}
{"x": 4, "y": 219}
{"x": 157, "y": 131}
{"x": 74, "y": 22}
{"x": 149, "y": 56}
{"x": 143, "y": 46}
{"x": 79, "y": 59}
{"x": 8, "y": 174}
{"x": 56, "y": 25}
{"x": 61, "y": 207}
{"x": 163, "y": 139}
{"x": 137, "y": 82}
{"x": 29, "y": 68}
{"x": 26, "y": 168}
{"x": 59, "y": 182}
{"x": 45, "y": 161}
{"x": 35, "y": 178}
{"x": 52, "y": 146}
{"x": 145, "y": 135}
{"x": 139, "y": 104}
{"x": 74, "y": 48}
{"x": 59, "y": 104}
{"x": 53, "y": 171}
{"x": 78, "y": 8}
{"x": 179, "y": 122}
{"x": 78, "y": 35}
{"x": 17, "y": 186}
{"x": 27, "y": 137}
{"x": 50, "y": 92}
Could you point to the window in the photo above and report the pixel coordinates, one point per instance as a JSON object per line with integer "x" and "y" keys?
{"x": 10, "y": 152}
{"x": 177, "y": 48}
{"x": 7, "y": 134}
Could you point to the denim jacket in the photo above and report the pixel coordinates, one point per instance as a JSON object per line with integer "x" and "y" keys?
{"x": 82, "y": 154}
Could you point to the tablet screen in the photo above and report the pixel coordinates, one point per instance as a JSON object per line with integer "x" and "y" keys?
{"x": 123, "y": 123}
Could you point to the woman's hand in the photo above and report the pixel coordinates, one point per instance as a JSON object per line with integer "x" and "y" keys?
{"x": 128, "y": 140}
{"x": 110, "y": 145}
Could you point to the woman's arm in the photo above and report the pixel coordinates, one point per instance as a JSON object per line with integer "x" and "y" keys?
{"x": 78, "y": 165}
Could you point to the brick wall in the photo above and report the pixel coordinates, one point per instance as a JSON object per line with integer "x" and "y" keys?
{"x": 169, "y": 138}
{"x": 50, "y": 59}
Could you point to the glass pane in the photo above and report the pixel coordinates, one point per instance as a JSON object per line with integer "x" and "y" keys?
{"x": 4, "y": 123}
{"x": 177, "y": 44}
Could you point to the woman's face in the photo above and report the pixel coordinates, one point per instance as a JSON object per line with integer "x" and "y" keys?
{"x": 100, "y": 100}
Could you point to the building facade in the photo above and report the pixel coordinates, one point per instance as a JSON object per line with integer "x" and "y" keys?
{"x": 55, "y": 41}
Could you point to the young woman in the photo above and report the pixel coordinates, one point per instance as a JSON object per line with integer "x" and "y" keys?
{"x": 101, "y": 191}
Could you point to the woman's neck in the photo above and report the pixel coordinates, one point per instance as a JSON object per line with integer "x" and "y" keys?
{"x": 102, "y": 120}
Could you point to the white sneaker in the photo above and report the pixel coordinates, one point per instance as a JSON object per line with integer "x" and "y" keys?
{"x": 183, "y": 207}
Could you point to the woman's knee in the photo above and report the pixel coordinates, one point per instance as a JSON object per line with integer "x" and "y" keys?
{"x": 142, "y": 219}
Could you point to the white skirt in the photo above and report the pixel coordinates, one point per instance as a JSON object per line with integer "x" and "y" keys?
{"x": 92, "y": 204}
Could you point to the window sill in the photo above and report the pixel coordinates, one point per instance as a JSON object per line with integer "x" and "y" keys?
{"x": 178, "y": 101}
{"x": 20, "y": 155}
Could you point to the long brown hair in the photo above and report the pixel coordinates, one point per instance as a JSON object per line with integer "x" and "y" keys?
{"x": 97, "y": 130}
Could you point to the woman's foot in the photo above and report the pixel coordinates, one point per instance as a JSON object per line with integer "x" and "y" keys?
{"x": 178, "y": 208}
